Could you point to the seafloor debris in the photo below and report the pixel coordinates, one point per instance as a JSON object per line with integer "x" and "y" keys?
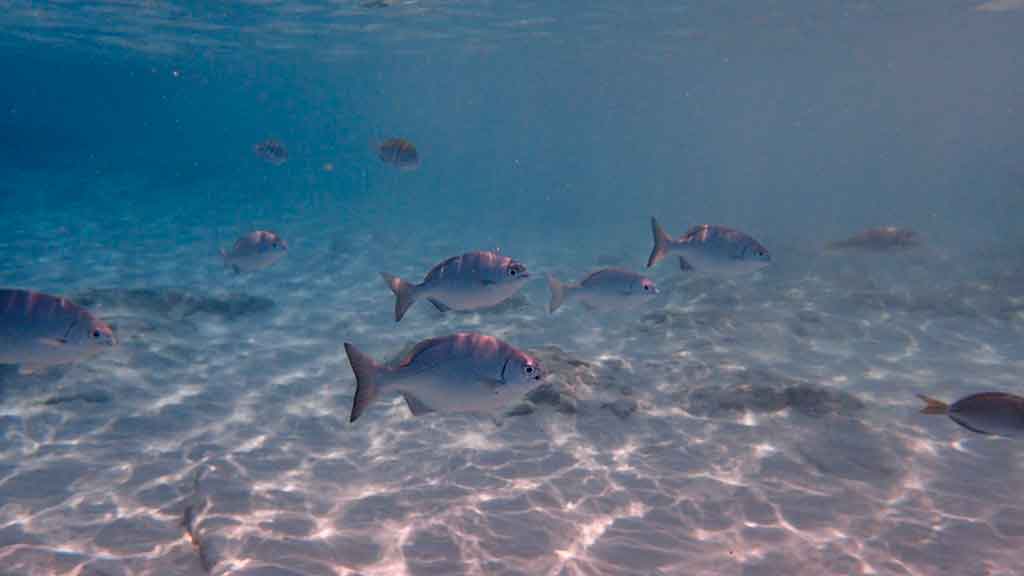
{"x": 765, "y": 391}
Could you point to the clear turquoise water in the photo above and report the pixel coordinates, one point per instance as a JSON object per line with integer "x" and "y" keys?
{"x": 757, "y": 425}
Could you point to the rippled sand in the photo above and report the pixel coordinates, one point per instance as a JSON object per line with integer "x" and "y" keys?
{"x": 766, "y": 426}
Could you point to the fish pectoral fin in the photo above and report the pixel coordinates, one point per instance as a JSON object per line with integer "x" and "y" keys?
{"x": 416, "y": 406}
{"x": 488, "y": 282}
{"x": 29, "y": 370}
{"x": 684, "y": 265}
{"x": 441, "y": 306}
{"x": 53, "y": 342}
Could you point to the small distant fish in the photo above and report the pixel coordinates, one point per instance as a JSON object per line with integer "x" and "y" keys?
{"x": 605, "y": 288}
{"x": 458, "y": 373}
{"x": 39, "y": 330}
{"x": 467, "y": 282}
{"x": 710, "y": 248}
{"x": 994, "y": 413}
{"x": 885, "y": 239}
{"x": 254, "y": 251}
{"x": 272, "y": 151}
{"x": 399, "y": 152}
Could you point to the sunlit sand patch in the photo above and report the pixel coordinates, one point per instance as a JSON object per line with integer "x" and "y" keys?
{"x": 592, "y": 530}
{"x": 875, "y": 373}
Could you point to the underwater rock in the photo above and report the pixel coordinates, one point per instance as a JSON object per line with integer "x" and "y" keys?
{"x": 176, "y": 303}
{"x": 623, "y": 407}
{"x": 93, "y": 397}
{"x": 766, "y": 392}
{"x": 550, "y": 395}
{"x": 573, "y": 385}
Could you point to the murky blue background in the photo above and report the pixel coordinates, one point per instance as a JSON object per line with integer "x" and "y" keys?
{"x": 553, "y": 131}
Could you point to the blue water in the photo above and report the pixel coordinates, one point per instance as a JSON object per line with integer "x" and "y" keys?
{"x": 762, "y": 424}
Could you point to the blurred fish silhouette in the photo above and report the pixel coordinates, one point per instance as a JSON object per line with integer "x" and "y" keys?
{"x": 254, "y": 251}
{"x": 994, "y": 413}
{"x": 39, "y": 330}
{"x": 272, "y": 151}
{"x": 458, "y": 373}
{"x": 399, "y": 152}
{"x": 885, "y": 239}
{"x": 710, "y": 248}
{"x": 607, "y": 288}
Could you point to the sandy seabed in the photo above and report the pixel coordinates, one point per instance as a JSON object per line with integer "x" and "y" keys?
{"x": 765, "y": 425}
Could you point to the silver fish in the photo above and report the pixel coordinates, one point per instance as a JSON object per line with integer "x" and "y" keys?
{"x": 467, "y": 282}
{"x": 400, "y": 153}
{"x": 272, "y": 151}
{"x": 710, "y": 248}
{"x": 255, "y": 251}
{"x": 994, "y": 413}
{"x": 885, "y": 239}
{"x": 606, "y": 288}
{"x": 458, "y": 373}
{"x": 39, "y": 330}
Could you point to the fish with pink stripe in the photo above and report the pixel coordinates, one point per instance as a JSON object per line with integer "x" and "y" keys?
{"x": 39, "y": 330}
{"x": 463, "y": 372}
{"x": 471, "y": 281}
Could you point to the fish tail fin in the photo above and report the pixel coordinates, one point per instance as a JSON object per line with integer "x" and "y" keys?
{"x": 662, "y": 242}
{"x": 405, "y": 294}
{"x": 223, "y": 256}
{"x": 366, "y": 372}
{"x": 933, "y": 406}
{"x": 557, "y": 293}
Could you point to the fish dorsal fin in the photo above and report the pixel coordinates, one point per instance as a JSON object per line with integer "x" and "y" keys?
{"x": 416, "y": 406}
{"x": 419, "y": 348}
{"x": 441, "y": 265}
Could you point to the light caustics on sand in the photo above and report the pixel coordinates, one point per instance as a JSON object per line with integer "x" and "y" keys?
{"x": 780, "y": 438}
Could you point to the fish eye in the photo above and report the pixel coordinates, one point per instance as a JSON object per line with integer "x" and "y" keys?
{"x": 95, "y": 333}
{"x": 647, "y": 287}
{"x": 529, "y": 369}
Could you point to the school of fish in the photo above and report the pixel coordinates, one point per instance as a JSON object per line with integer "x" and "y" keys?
{"x": 467, "y": 372}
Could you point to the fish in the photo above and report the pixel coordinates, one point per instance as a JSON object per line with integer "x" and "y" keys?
{"x": 459, "y": 373}
{"x": 39, "y": 330}
{"x": 399, "y": 152}
{"x": 710, "y": 248}
{"x": 272, "y": 151}
{"x": 607, "y": 288}
{"x": 468, "y": 282}
{"x": 884, "y": 239}
{"x": 989, "y": 413}
{"x": 254, "y": 251}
